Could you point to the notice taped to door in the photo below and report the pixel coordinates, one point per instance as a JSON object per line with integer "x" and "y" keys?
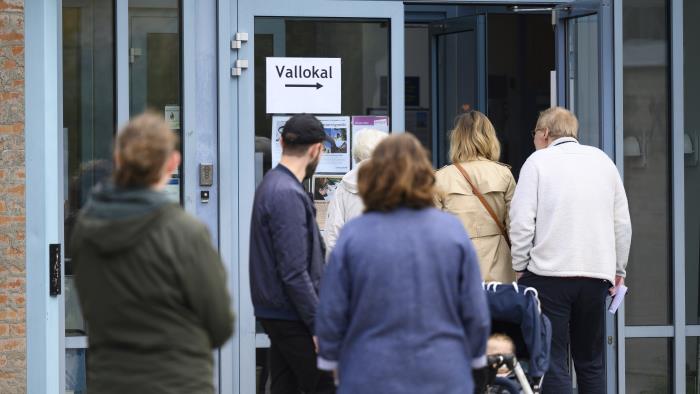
{"x": 303, "y": 85}
{"x": 336, "y": 150}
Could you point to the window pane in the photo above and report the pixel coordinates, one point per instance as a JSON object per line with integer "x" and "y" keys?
{"x": 417, "y": 88}
{"x": 692, "y": 354}
{"x": 457, "y": 89}
{"x": 88, "y": 126}
{"x": 362, "y": 46}
{"x": 646, "y": 150}
{"x": 648, "y": 365}
{"x": 582, "y": 76}
{"x": 154, "y": 65}
{"x": 691, "y": 13}
{"x": 88, "y": 115}
{"x": 76, "y": 381}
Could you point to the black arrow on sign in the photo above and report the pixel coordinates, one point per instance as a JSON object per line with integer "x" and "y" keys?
{"x": 296, "y": 85}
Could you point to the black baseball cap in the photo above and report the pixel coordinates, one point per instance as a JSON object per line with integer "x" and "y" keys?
{"x": 303, "y": 129}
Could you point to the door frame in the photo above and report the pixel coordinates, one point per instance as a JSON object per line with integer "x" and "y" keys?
{"x": 45, "y": 352}
{"x": 237, "y": 137}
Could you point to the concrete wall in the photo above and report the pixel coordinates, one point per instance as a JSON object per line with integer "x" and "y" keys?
{"x": 12, "y": 200}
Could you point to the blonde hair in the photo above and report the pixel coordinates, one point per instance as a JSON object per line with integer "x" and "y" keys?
{"x": 473, "y": 137}
{"x": 559, "y": 121}
{"x": 364, "y": 143}
{"x": 141, "y": 149}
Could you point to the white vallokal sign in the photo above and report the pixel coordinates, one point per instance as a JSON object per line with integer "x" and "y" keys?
{"x": 303, "y": 85}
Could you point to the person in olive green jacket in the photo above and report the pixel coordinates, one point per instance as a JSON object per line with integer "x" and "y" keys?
{"x": 152, "y": 288}
{"x": 475, "y": 147}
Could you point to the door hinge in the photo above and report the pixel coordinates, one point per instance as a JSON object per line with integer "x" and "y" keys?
{"x": 236, "y": 42}
{"x": 238, "y": 67}
{"x": 238, "y": 39}
{"x": 54, "y": 269}
{"x": 133, "y": 53}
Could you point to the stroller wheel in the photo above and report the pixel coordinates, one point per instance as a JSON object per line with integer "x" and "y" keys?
{"x": 503, "y": 386}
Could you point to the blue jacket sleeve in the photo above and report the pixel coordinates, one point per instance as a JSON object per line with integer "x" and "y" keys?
{"x": 333, "y": 310}
{"x": 474, "y": 309}
{"x": 291, "y": 244}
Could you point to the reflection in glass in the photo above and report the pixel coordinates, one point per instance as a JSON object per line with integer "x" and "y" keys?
{"x": 582, "y": 76}
{"x": 88, "y": 115}
{"x": 692, "y": 355}
{"x": 75, "y": 371}
{"x": 417, "y": 86}
{"x": 457, "y": 85}
{"x": 647, "y": 170}
{"x": 691, "y": 56}
{"x": 648, "y": 365}
{"x": 154, "y": 56}
{"x": 88, "y": 126}
{"x": 154, "y": 66}
{"x": 362, "y": 46}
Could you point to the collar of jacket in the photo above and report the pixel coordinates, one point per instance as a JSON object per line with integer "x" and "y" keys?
{"x": 289, "y": 172}
{"x": 563, "y": 140}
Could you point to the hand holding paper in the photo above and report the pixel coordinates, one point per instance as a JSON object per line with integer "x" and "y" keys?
{"x": 620, "y": 292}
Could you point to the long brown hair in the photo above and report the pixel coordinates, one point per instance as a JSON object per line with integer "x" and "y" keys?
{"x": 473, "y": 137}
{"x": 141, "y": 150}
{"x": 398, "y": 174}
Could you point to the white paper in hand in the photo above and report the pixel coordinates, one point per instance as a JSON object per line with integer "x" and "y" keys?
{"x": 617, "y": 300}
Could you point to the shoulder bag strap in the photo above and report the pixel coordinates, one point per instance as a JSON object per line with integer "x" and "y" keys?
{"x": 484, "y": 202}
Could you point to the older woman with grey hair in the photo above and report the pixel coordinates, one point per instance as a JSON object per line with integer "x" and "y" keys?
{"x": 346, "y": 203}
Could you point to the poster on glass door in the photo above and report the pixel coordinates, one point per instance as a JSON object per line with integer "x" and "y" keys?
{"x": 336, "y": 147}
{"x": 323, "y": 189}
{"x": 360, "y": 123}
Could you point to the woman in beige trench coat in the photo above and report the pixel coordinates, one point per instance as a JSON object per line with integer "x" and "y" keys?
{"x": 474, "y": 145}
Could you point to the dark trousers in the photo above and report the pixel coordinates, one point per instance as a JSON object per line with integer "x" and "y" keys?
{"x": 576, "y": 308}
{"x": 293, "y": 360}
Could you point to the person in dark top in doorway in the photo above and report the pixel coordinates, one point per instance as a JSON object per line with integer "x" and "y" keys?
{"x": 151, "y": 285}
{"x": 287, "y": 261}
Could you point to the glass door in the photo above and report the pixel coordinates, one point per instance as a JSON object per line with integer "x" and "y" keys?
{"x": 155, "y": 67}
{"x": 585, "y": 85}
{"x": 90, "y": 107}
{"x": 365, "y": 40}
{"x": 459, "y": 60}
{"x": 585, "y": 69}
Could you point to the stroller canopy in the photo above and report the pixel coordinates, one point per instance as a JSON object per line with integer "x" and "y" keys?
{"x": 513, "y": 306}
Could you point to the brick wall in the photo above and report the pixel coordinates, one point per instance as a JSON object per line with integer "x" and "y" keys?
{"x": 12, "y": 202}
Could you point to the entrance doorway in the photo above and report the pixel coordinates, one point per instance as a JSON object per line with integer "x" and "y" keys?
{"x": 492, "y": 59}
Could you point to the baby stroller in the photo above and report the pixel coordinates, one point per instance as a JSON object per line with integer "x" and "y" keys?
{"x": 515, "y": 312}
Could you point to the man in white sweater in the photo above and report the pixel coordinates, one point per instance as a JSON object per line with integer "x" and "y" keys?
{"x": 570, "y": 231}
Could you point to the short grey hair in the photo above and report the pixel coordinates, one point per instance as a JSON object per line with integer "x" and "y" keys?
{"x": 560, "y": 121}
{"x": 364, "y": 143}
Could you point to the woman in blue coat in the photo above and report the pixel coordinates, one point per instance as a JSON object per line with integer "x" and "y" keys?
{"x": 402, "y": 309}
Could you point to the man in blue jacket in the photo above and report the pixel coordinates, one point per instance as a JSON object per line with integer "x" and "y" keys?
{"x": 287, "y": 259}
